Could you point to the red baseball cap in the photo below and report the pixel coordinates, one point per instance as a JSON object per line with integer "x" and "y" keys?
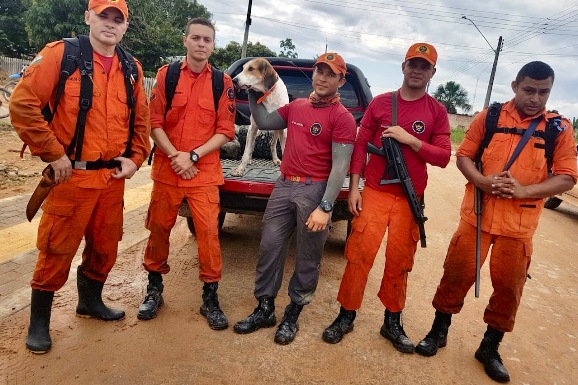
{"x": 334, "y": 61}
{"x": 422, "y": 50}
{"x": 100, "y": 5}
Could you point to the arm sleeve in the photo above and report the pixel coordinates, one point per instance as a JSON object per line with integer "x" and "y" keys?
{"x": 226, "y": 110}
{"x": 438, "y": 150}
{"x": 341, "y": 155}
{"x": 264, "y": 119}
{"x": 141, "y": 146}
{"x": 31, "y": 94}
{"x": 564, "y": 161}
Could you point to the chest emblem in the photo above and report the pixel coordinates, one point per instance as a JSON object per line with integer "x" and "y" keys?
{"x": 315, "y": 129}
{"x": 418, "y": 126}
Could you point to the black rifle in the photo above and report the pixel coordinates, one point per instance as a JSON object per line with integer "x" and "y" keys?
{"x": 478, "y": 197}
{"x": 396, "y": 172}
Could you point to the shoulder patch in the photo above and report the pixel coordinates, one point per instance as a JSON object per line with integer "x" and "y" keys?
{"x": 36, "y": 60}
{"x": 230, "y": 93}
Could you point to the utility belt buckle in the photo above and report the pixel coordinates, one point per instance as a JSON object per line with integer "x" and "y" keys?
{"x": 294, "y": 178}
{"x": 79, "y": 165}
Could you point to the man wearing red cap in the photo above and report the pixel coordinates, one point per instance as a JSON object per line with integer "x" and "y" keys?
{"x": 423, "y": 132}
{"x": 87, "y": 199}
{"x": 320, "y": 137}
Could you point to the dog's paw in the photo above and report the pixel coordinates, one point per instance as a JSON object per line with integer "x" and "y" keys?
{"x": 238, "y": 171}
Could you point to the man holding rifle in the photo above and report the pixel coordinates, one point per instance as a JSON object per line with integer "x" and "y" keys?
{"x": 422, "y": 134}
{"x": 511, "y": 206}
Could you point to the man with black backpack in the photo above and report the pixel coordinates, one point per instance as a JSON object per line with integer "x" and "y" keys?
{"x": 98, "y": 135}
{"x": 514, "y": 173}
{"x": 192, "y": 116}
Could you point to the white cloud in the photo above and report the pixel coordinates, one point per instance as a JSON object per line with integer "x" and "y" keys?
{"x": 374, "y": 35}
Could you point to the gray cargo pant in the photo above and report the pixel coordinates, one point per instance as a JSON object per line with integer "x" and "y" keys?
{"x": 287, "y": 210}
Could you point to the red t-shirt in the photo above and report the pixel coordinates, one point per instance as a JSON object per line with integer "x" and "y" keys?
{"x": 424, "y": 118}
{"x": 310, "y": 133}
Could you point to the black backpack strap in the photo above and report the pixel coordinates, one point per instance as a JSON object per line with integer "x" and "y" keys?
{"x": 171, "y": 81}
{"x": 85, "y": 102}
{"x": 491, "y": 124}
{"x": 130, "y": 72}
{"x": 69, "y": 64}
{"x": 550, "y": 135}
{"x": 218, "y": 86}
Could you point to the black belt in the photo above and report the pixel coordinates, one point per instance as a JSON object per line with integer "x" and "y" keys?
{"x": 95, "y": 165}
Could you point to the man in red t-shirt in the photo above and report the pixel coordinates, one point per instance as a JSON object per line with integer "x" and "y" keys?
{"x": 423, "y": 132}
{"x": 320, "y": 137}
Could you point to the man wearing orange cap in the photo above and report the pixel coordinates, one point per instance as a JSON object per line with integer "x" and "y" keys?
{"x": 320, "y": 137}
{"x": 423, "y": 132}
{"x": 87, "y": 199}
{"x": 512, "y": 204}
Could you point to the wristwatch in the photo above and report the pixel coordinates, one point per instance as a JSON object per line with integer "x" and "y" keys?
{"x": 194, "y": 156}
{"x": 326, "y": 206}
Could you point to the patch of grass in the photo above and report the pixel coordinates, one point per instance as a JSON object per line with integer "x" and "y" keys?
{"x": 457, "y": 135}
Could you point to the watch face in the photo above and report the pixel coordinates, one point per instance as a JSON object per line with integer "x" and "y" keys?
{"x": 194, "y": 157}
{"x": 326, "y": 206}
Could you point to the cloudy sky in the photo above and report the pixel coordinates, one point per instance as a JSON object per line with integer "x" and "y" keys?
{"x": 375, "y": 35}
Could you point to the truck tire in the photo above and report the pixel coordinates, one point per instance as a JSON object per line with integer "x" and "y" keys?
{"x": 221, "y": 220}
{"x": 552, "y": 203}
{"x": 262, "y": 143}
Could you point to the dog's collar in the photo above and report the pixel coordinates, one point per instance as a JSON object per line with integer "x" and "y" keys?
{"x": 262, "y": 98}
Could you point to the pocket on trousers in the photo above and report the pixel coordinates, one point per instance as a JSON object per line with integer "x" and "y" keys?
{"x": 356, "y": 241}
{"x": 55, "y": 232}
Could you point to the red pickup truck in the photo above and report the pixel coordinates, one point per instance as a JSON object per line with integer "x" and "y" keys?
{"x": 249, "y": 193}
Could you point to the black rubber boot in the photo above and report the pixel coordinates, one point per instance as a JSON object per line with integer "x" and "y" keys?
{"x": 262, "y": 317}
{"x": 342, "y": 325}
{"x": 154, "y": 297}
{"x": 488, "y": 355}
{"x": 90, "y": 300}
{"x": 211, "y": 309}
{"x": 38, "y": 340}
{"x": 437, "y": 336}
{"x": 392, "y": 330}
{"x": 288, "y": 327}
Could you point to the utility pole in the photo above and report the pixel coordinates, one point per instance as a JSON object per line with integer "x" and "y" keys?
{"x": 247, "y": 24}
{"x": 497, "y": 54}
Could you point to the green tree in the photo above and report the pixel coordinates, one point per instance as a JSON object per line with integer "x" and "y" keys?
{"x": 287, "y": 49}
{"x": 13, "y": 39}
{"x": 453, "y": 96}
{"x": 222, "y": 58}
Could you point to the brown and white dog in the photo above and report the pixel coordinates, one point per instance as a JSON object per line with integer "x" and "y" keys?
{"x": 258, "y": 74}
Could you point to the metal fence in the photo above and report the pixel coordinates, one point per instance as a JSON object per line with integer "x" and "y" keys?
{"x": 9, "y": 65}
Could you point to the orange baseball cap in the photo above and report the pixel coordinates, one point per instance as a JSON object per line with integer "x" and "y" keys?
{"x": 334, "y": 61}
{"x": 422, "y": 50}
{"x": 100, "y": 5}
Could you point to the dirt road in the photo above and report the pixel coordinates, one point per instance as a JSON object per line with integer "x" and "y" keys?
{"x": 179, "y": 348}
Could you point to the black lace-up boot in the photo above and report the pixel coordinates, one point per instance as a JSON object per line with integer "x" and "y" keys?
{"x": 488, "y": 355}
{"x": 90, "y": 300}
{"x": 153, "y": 298}
{"x": 211, "y": 309}
{"x": 437, "y": 336}
{"x": 392, "y": 330}
{"x": 38, "y": 340}
{"x": 288, "y": 327}
{"x": 342, "y": 325}
{"x": 262, "y": 317}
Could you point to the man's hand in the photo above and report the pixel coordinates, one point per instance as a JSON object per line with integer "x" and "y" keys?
{"x": 126, "y": 170}
{"x": 62, "y": 169}
{"x": 317, "y": 220}
{"x": 182, "y": 165}
{"x": 505, "y": 186}
{"x": 402, "y": 136}
{"x": 354, "y": 201}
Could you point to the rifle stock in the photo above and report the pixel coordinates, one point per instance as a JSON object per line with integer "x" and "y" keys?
{"x": 396, "y": 172}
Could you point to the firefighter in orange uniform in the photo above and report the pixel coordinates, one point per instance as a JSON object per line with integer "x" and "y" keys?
{"x": 512, "y": 205}
{"x": 187, "y": 165}
{"x": 87, "y": 200}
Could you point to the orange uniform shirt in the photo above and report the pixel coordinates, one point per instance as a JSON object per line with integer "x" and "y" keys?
{"x": 516, "y": 218}
{"x": 107, "y": 122}
{"x": 190, "y": 122}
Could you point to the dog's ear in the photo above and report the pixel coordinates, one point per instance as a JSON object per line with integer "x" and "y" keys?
{"x": 270, "y": 76}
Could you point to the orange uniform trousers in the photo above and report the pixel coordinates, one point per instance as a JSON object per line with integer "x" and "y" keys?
{"x": 69, "y": 213}
{"x": 162, "y": 215}
{"x": 509, "y": 263}
{"x": 381, "y": 211}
